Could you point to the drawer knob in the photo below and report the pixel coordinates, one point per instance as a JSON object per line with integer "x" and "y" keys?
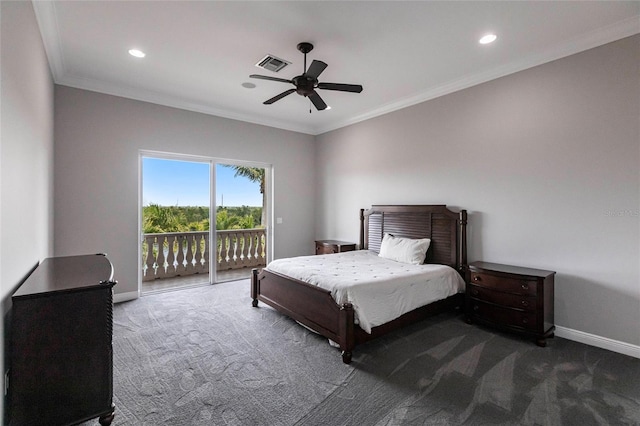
{"x": 525, "y": 286}
{"x": 525, "y": 303}
{"x": 476, "y": 307}
{"x": 474, "y": 292}
{"x": 476, "y": 278}
{"x": 525, "y": 321}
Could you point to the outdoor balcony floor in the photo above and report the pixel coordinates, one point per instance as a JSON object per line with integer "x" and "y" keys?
{"x": 176, "y": 283}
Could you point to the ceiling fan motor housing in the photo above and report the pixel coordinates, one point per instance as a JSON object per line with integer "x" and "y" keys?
{"x": 305, "y": 85}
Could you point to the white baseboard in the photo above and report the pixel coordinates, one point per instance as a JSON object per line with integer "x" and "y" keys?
{"x": 598, "y": 341}
{"x": 123, "y": 297}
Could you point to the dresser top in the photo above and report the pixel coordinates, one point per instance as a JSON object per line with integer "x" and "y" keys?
{"x": 59, "y": 274}
{"x": 509, "y": 269}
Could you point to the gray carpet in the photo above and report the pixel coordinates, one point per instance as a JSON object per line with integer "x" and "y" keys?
{"x": 204, "y": 356}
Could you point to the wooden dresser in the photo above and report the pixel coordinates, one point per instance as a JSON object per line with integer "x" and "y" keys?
{"x": 61, "y": 356}
{"x": 512, "y": 298}
{"x": 333, "y": 246}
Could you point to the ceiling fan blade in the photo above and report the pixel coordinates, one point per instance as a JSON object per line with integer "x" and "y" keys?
{"x": 278, "y": 97}
{"x": 317, "y": 101}
{"x": 315, "y": 69}
{"x": 266, "y": 77}
{"x": 354, "y": 88}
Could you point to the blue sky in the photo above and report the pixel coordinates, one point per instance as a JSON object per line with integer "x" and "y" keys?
{"x": 186, "y": 183}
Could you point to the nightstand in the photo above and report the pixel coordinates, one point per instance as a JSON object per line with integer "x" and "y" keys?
{"x": 333, "y": 246}
{"x": 512, "y": 298}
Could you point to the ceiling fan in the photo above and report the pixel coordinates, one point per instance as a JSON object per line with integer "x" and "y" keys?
{"x": 306, "y": 83}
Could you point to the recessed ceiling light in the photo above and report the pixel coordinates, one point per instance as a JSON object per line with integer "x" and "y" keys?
{"x": 248, "y": 85}
{"x": 137, "y": 53}
{"x": 489, "y": 38}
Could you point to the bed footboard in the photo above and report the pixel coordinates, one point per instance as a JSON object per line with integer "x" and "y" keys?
{"x": 310, "y": 305}
{"x": 316, "y": 309}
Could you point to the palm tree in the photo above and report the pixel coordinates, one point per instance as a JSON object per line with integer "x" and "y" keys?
{"x": 158, "y": 219}
{"x": 224, "y": 221}
{"x": 256, "y": 175}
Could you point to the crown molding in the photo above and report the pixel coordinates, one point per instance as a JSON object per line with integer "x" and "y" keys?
{"x": 47, "y": 21}
{"x": 138, "y": 94}
{"x": 599, "y": 37}
{"x": 46, "y": 18}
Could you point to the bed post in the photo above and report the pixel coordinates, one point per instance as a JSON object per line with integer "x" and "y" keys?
{"x": 346, "y": 332}
{"x": 254, "y": 287}
{"x": 361, "y": 230}
{"x": 462, "y": 244}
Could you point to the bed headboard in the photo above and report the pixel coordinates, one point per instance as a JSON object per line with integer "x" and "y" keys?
{"x": 446, "y": 229}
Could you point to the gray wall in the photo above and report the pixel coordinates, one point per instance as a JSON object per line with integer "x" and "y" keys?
{"x": 547, "y": 163}
{"x": 26, "y": 148}
{"x": 26, "y": 172}
{"x": 98, "y": 139}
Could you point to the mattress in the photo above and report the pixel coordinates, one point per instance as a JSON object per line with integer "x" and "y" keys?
{"x": 379, "y": 289}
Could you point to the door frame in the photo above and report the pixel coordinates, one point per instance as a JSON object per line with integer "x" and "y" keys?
{"x": 213, "y": 161}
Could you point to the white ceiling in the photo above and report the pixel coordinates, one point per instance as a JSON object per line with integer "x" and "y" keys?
{"x": 199, "y": 53}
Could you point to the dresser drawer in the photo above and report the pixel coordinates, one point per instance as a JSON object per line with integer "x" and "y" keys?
{"x": 504, "y": 316}
{"x": 507, "y": 300}
{"x": 510, "y": 285}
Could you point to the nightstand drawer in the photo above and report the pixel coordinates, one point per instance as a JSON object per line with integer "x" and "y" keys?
{"x": 325, "y": 250}
{"x": 509, "y": 285}
{"x": 516, "y": 298}
{"x": 507, "y": 300}
{"x": 333, "y": 246}
{"x": 504, "y": 316}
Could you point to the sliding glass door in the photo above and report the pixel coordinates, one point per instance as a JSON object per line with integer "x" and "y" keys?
{"x": 241, "y": 223}
{"x": 181, "y": 197}
{"x": 176, "y": 200}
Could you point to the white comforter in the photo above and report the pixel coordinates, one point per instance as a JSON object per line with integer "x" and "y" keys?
{"x": 379, "y": 289}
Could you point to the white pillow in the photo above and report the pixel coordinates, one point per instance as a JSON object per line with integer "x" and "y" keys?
{"x": 405, "y": 250}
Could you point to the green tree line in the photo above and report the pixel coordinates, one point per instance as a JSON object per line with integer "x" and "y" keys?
{"x": 160, "y": 219}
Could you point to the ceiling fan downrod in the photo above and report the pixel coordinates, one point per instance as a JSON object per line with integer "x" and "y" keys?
{"x": 305, "y": 48}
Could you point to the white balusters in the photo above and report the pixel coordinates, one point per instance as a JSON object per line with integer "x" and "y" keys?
{"x": 187, "y": 253}
{"x": 172, "y": 243}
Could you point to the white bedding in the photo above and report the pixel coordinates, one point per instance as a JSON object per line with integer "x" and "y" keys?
{"x": 379, "y": 289}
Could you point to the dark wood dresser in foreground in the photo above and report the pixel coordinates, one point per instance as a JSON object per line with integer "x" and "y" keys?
{"x": 61, "y": 356}
{"x": 333, "y": 246}
{"x": 512, "y": 298}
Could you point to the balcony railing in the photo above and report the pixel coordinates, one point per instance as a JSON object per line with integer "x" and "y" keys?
{"x": 175, "y": 254}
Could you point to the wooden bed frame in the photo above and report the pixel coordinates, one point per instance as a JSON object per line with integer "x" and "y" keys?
{"x": 315, "y": 308}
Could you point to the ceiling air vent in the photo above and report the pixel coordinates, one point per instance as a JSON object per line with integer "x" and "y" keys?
{"x": 272, "y": 63}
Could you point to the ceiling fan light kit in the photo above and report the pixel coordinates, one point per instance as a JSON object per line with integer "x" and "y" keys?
{"x": 307, "y": 82}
